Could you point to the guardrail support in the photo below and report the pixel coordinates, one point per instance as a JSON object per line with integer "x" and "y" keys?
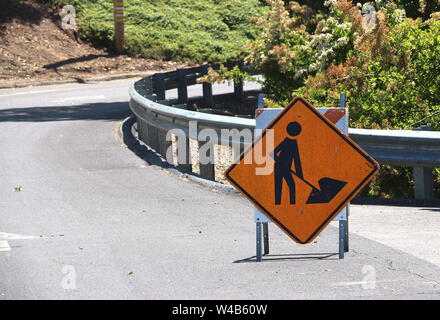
{"x": 159, "y": 86}
{"x": 142, "y": 129}
{"x": 208, "y": 98}
{"x": 423, "y": 183}
{"x": 182, "y": 90}
{"x": 238, "y": 91}
{"x": 207, "y": 170}
{"x": 423, "y": 177}
{"x": 148, "y": 83}
{"x": 183, "y": 151}
{"x": 238, "y": 87}
{"x": 163, "y": 143}
{"x": 153, "y": 138}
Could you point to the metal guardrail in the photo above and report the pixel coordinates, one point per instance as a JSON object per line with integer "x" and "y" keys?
{"x": 400, "y": 147}
{"x": 156, "y": 116}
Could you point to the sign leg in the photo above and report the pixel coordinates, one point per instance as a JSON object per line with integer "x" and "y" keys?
{"x": 266, "y": 237}
{"x": 341, "y": 238}
{"x": 346, "y": 237}
{"x": 258, "y": 255}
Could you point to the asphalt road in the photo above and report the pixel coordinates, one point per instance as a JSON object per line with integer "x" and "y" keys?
{"x": 82, "y": 217}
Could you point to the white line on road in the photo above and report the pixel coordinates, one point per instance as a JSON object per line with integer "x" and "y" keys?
{"x": 99, "y": 97}
{"x": 4, "y": 245}
{"x": 13, "y": 236}
{"x": 32, "y": 92}
{"x": 60, "y": 88}
{"x": 368, "y": 283}
{"x": 4, "y": 237}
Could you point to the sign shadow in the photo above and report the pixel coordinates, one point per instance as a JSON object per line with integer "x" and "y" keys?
{"x": 295, "y": 257}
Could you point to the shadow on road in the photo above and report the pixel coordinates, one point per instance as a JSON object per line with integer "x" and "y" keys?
{"x": 431, "y": 209}
{"x": 297, "y": 257}
{"x": 95, "y": 111}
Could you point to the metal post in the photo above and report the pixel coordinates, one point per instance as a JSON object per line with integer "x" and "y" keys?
{"x": 266, "y": 237}
{"x": 164, "y": 145}
{"x": 346, "y": 237}
{"x": 118, "y": 13}
{"x": 153, "y": 138}
{"x": 341, "y": 238}
{"x": 343, "y": 225}
{"x": 148, "y": 86}
{"x": 208, "y": 98}
{"x": 260, "y": 105}
{"x": 239, "y": 88}
{"x": 182, "y": 90}
{"x": 423, "y": 183}
{"x": 184, "y": 155}
{"x": 238, "y": 91}
{"x": 343, "y": 100}
{"x": 159, "y": 86}
{"x": 423, "y": 177}
{"x": 207, "y": 170}
{"x": 258, "y": 255}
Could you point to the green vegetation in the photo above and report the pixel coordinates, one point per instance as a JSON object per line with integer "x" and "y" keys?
{"x": 389, "y": 70}
{"x": 384, "y": 55}
{"x": 186, "y": 30}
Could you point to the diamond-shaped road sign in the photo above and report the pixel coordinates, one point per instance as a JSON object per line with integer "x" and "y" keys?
{"x": 301, "y": 171}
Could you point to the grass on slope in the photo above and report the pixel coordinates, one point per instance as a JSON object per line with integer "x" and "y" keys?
{"x": 189, "y": 30}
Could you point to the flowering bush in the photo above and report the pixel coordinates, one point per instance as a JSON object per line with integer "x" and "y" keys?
{"x": 392, "y": 79}
{"x": 386, "y": 63}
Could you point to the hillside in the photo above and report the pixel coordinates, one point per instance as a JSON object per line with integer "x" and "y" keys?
{"x": 179, "y": 30}
{"x": 34, "y": 47}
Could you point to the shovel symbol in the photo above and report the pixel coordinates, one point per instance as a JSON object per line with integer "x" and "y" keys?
{"x": 328, "y": 189}
{"x": 286, "y": 154}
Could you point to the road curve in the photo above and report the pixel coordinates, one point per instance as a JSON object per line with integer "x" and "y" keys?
{"x": 82, "y": 217}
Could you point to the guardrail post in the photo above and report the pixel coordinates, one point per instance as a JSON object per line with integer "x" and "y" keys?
{"x": 423, "y": 177}
{"x": 142, "y": 129}
{"x": 184, "y": 156}
{"x": 163, "y": 143}
{"x": 159, "y": 86}
{"x": 207, "y": 170}
{"x": 153, "y": 138}
{"x": 182, "y": 90}
{"x": 238, "y": 87}
{"x": 208, "y": 98}
{"x": 148, "y": 83}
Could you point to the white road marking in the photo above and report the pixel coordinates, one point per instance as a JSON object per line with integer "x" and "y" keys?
{"x": 80, "y": 98}
{"x": 4, "y": 237}
{"x": 4, "y": 245}
{"x": 357, "y": 283}
{"x": 13, "y": 236}
{"x": 36, "y": 92}
{"x": 59, "y": 89}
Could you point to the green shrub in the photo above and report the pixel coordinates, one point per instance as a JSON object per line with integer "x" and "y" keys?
{"x": 390, "y": 71}
{"x": 188, "y": 30}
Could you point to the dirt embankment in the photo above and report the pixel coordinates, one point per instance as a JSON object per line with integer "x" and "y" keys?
{"x": 34, "y": 47}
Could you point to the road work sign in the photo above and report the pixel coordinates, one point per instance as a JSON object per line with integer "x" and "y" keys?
{"x": 301, "y": 171}
{"x": 337, "y": 116}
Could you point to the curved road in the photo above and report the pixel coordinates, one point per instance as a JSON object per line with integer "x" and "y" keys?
{"x": 82, "y": 217}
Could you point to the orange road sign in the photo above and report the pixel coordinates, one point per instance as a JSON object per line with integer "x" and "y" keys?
{"x": 301, "y": 171}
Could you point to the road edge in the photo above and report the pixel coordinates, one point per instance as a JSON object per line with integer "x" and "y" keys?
{"x": 154, "y": 159}
{"x": 76, "y": 80}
